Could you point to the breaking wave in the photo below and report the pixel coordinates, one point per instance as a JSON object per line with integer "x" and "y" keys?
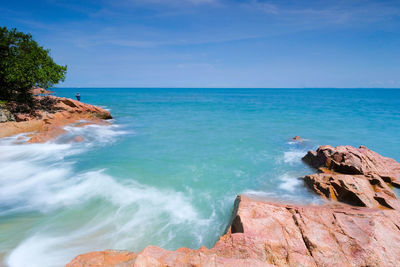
{"x": 293, "y": 156}
{"x": 70, "y": 212}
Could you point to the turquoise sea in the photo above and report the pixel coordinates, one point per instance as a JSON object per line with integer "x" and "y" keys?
{"x": 168, "y": 168}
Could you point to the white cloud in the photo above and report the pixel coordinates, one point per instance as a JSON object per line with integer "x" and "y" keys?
{"x": 265, "y": 7}
{"x": 332, "y": 12}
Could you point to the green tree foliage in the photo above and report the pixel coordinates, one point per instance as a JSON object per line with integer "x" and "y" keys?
{"x": 24, "y": 65}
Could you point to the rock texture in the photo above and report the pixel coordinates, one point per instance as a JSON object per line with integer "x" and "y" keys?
{"x": 40, "y": 91}
{"x": 364, "y": 233}
{"x": 351, "y": 160}
{"x": 357, "y": 190}
{"x": 357, "y": 176}
{"x": 6, "y": 115}
{"x": 270, "y": 234}
{"x": 45, "y": 124}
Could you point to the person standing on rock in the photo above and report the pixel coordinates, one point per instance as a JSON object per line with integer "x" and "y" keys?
{"x": 78, "y": 97}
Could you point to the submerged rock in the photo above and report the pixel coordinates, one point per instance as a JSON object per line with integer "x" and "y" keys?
{"x": 78, "y": 139}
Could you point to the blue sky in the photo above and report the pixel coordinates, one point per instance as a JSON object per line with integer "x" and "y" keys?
{"x": 216, "y": 43}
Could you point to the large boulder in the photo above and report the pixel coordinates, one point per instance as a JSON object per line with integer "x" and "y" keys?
{"x": 356, "y": 176}
{"x": 351, "y": 160}
{"x": 364, "y": 233}
{"x": 77, "y": 107}
{"x": 356, "y": 190}
{"x": 293, "y": 235}
{"x": 271, "y": 234}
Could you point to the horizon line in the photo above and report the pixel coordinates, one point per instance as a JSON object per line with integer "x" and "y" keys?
{"x": 158, "y": 87}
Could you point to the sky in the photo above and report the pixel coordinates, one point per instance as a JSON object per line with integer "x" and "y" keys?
{"x": 216, "y": 43}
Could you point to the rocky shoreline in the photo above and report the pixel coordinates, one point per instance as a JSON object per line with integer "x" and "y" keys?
{"x": 48, "y": 120}
{"x": 358, "y": 226}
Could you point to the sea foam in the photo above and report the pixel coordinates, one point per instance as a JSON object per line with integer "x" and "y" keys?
{"x": 83, "y": 211}
{"x": 289, "y": 183}
{"x": 293, "y": 156}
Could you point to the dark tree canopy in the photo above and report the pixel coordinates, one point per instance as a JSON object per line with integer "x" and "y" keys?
{"x": 24, "y": 65}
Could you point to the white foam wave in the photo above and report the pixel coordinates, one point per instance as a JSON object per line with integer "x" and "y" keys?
{"x": 274, "y": 196}
{"x": 84, "y": 211}
{"x": 281, "y": 197}
{"x": 105, "y": 108}
{"x": 293, "y": 156}
{"x": 289, "y": 183}
{"x": 295, "y": 142}
{"x": 100, "y": 134}
{"x": 260, "y": 194}
{"x": 134, "y": 216}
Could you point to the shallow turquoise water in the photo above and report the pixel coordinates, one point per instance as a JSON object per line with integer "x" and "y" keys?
{"x": 166, "y": 172}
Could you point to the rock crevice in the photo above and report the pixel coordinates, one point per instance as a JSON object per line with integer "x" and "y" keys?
{"x": 358, "y": 226}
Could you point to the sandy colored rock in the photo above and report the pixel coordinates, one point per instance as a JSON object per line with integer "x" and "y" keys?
{"x": 13, "y": 128}
{"x": 47, "y": 125}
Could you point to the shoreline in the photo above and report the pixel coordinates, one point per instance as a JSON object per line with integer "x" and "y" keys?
{"x": 358, "y": 226}
{"x": 359, "y": 223}
{"x": 48, "y": 124}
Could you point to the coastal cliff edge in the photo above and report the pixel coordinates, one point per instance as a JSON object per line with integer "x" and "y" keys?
{"x": 359, "y": 225}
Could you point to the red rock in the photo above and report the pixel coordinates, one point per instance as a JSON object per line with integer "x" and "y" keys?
{"x": 284, "y": 235}
{"x": 75, "y": 106}
{"x": 354, "y": 176}
{"x": 297, "y": 138}
{"x": 105, "y": 258}
{"x": 22, "y": 117}
{"x": 271, "y": 234}
{"x": 357, "y": 190}
{"x": 47, "y": 125}
{"x": 39, "y": 91}
{"x": 78, "y": 139}
{"x": 47, "y": 132}
{"x": 351, "y": 160}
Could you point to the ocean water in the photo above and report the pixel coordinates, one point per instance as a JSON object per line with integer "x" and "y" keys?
{"x": 168, "y": 168}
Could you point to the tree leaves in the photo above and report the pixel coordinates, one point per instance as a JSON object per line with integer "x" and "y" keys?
{"x": 23, "y": 65}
